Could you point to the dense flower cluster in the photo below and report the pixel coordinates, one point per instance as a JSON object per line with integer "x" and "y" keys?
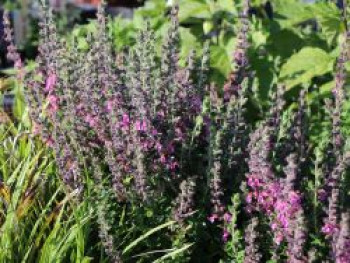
{"x": 274, "y": 197}
{"x": 342, "y": 251}
{"x": 149, "y": 130}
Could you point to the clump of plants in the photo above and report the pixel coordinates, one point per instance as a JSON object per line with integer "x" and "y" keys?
{"x": 174, "y": 168}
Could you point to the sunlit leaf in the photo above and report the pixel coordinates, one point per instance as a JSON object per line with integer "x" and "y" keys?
{"x": 305, "y": 65}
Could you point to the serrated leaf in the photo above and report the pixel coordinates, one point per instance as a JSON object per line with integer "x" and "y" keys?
{"x": 329, "y": 17}
{"x": 306, "y": 64}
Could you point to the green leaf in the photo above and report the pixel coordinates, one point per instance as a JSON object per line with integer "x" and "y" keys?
{"x": 149, "y": 213}
{"x": 323, "y": 91}
{"x": 188, "y": 42}
{"x": 87, "y": 259}
{"x": 284, "y": 43}
{"x": 329, "y": 17}
{"x": 174, "y": 253}
{"x": 306, "y": 64}
{"x": 292, "y": 12}
{"x": 144, "y": 236}
{"x": 220, "y": 59}
{"x": 259, "y": 38}
{"x": 30, "y": 66}
{"x": 152, "y": 9}
{"x": 326, "y": 88}
{"x": 227, "y": 5}
{"x": 194, "y": 9}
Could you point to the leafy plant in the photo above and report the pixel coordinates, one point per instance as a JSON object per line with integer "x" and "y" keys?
{"x": 164, "y": 166}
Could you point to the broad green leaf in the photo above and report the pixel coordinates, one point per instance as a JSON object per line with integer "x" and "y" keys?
{"x": 329, "y": 17}
{"x": 284, "y": 43}
{"x": 306, "y": 64}
{"x": 292, "y": 12}
{"x": 262, "y": 66}
{"x": 230, "y": 45}
{"x": 220, "y": 59}
{"x": 194, "y": 9}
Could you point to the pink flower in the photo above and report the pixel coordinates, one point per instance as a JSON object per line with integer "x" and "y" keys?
{"x": 125, "y": 121}
{"x": 36, "y": 128}
{"x": 18, "y": 64}
{"x": 52, "y": 99}
{"x": 161, "y": 114}
{"x": 227, "y": 217}
{"x": 284, "y": 220}
{"x": 110, "y": 105}
{"x": 329, "y": 229}
{"x": 180, "y": 136}
{"x": 154, "y": 132}
{"x": 159, "y": 146}
{"x": 140, "y": 126}
{"x": 163, "y": 159}
{"x": 213, "y": 218}
{"x": 274, "y": 226}
{"x": 146, "y": 145}
{"x": 49, "y": 142}
{"x": 196, "y": 103}
{"x": 335, "y": 91}
{"x": 294, "y": 198}
{"x": 322, "y": 195}
{"x": 53, "y": 103}
{"x": 173, "y": 165}
{"x": 344, "y": 253}
{"x": 270, "y": 198}
{"x": 91, "y": 120}
{"x": 80, "y": 107}
{"x": 50, "y": 83}
{"x": 281, "y": 205}
{"x": 170, "y": 148}
{"x": 253, "y": 182}
{"x": 278, "y": 238}
{"x": 225, "y": 235}
{"x": 249, "y": 198}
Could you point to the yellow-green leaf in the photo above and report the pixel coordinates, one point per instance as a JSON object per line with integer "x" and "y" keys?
{"x": 306, "y": 64}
